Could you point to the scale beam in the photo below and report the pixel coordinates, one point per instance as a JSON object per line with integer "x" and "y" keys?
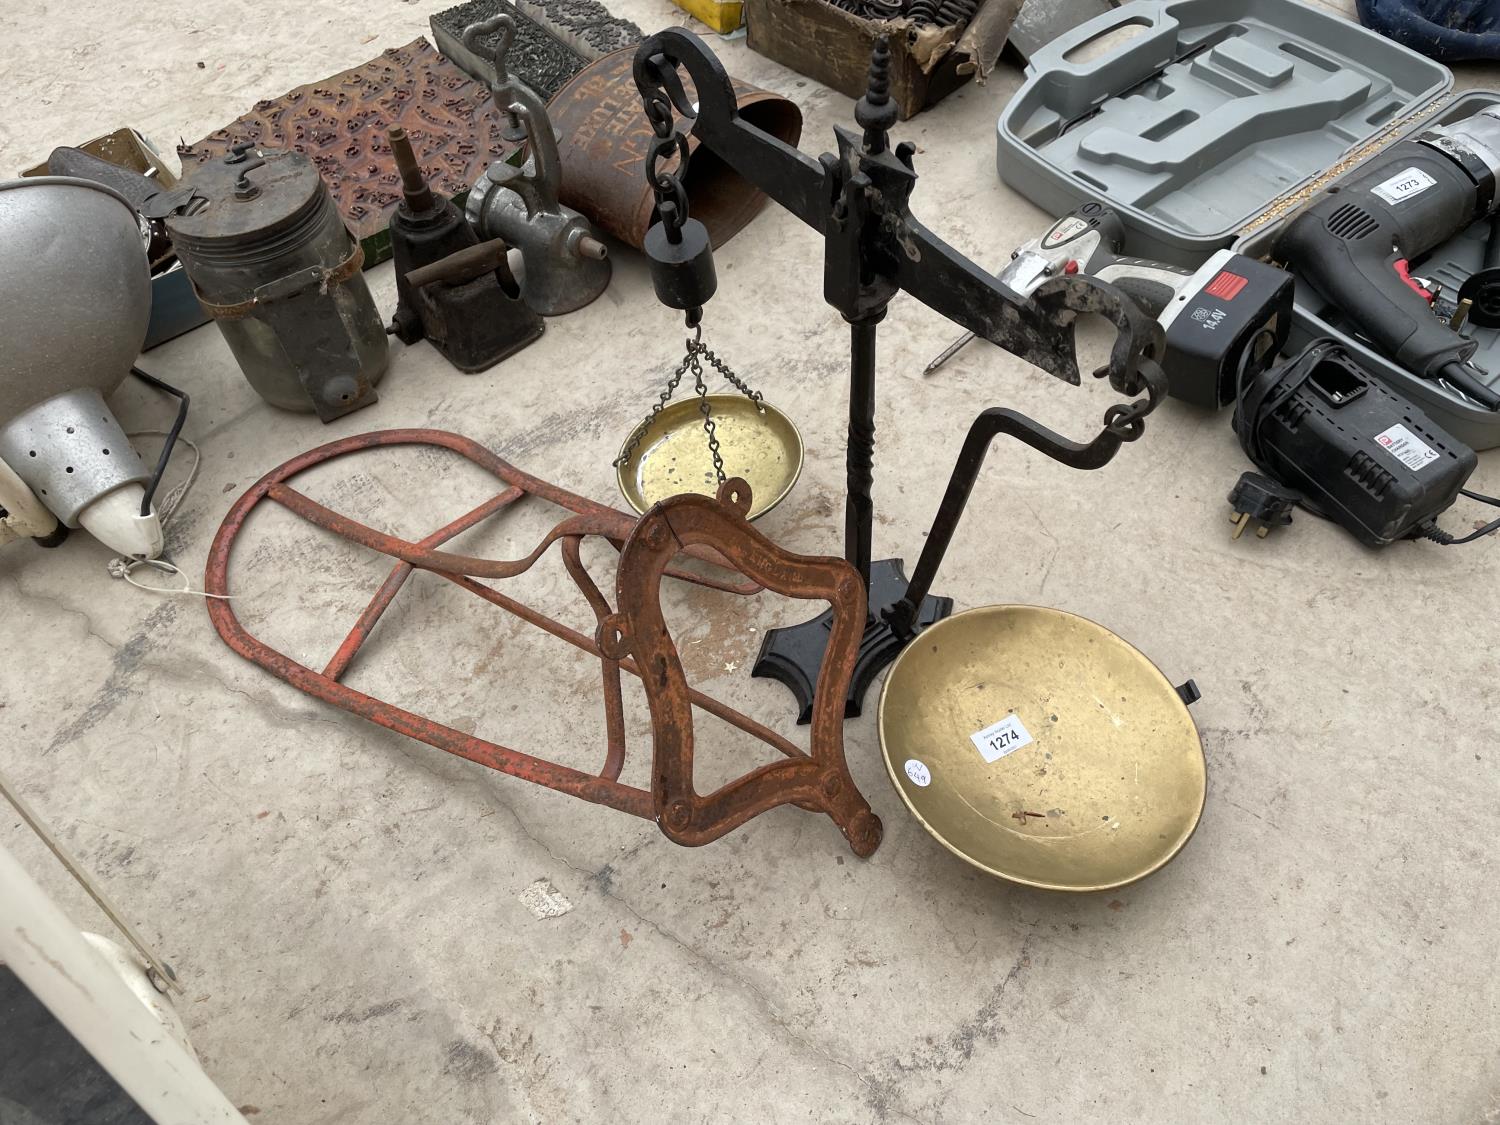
{"x": 873, "y": 249}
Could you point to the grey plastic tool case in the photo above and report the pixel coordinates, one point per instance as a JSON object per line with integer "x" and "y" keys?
{"x": 1213, "y": 109}
{"x": 1216, "y": 111}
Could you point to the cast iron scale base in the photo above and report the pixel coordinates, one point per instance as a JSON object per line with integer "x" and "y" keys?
{"x": 793, "y": 655}
{"x": 873, "y": 248}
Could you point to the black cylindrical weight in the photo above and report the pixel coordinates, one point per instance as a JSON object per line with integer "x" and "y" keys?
{"x": 682, "y": 271}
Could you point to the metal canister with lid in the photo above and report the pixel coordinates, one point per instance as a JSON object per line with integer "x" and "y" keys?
{"x": 274, "y": 265}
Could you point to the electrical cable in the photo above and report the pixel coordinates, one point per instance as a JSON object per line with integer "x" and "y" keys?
{"x": 175, "y": 496}
{"x": 1446, "y": 539}
{"x": 166, "y": 450}
{"x": 1481, "y": 497}
{"x": 121, "y": 567}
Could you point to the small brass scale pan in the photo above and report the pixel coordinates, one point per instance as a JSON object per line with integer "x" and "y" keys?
{"x": 1038, "y": 746}
{"x": 1032, "y": 743}
{"x": 669, "y": 455}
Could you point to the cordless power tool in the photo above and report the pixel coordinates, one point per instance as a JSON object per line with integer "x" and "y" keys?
{"x": 1355, "y": 243}
{"x": 1220, "y": 320}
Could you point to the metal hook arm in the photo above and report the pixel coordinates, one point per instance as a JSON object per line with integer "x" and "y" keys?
{"x": 990, "y": 424}
{"x": 545, "y": 166}
{"x": 496, "y": 57}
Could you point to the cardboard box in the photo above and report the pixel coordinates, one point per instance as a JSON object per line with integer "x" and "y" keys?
{"x": 124, "y": 147}
{"x": 833, "y": 46}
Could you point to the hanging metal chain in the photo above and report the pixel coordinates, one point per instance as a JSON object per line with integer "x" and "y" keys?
{"x": 672, "y": 209}
{"x": 671, "y": 196}
{"x": 739, "y": 384}
{"x": 666, "y": 395}
{"x": 706, "y": 410}
{"x": 697, "y": 352}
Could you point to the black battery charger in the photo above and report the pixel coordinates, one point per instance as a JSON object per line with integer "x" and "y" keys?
{"x": 1354, "y": 450}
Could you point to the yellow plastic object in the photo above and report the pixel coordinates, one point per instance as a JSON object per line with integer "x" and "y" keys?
{"x": 721, "y": 16}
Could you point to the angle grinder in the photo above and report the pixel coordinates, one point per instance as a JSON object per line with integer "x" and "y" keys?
{"x": 1221, "y": 319}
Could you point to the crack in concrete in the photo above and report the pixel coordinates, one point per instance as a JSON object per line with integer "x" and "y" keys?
{"x": 251, "y": 410}
{"x": 879, "y": 1100}
{"x": 962, "y": 1043}
{"x": 190, "y": 667}
{"x": 64, "y": 607}
{"x": 1045, "y": 530}
{"x": 125, "y": 662}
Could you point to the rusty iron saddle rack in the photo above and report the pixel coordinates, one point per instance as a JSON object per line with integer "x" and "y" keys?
{"x": 874, "y": 248}
{"x": 631, "y": 637}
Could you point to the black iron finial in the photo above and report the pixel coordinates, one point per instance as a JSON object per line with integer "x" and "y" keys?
{"x": 875, "y": 112}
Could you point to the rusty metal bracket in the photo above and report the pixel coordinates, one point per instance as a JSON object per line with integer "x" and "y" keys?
{"x": 632, "y": 638}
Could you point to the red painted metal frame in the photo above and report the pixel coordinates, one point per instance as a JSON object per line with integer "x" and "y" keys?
{"x": 633, "y": 639}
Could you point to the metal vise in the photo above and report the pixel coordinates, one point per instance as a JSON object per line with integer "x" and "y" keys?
{"x": 564, "y": 266}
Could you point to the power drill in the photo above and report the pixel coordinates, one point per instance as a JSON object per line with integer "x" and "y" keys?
{"x": 1355, "y": 243}
{"x": 1219, "y": 319}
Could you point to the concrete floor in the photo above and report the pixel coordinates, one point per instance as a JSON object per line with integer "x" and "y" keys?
{"x": 344, "y": 904}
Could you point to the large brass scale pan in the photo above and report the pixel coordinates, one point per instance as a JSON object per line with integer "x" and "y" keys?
{"x": 1040, "y": 747}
